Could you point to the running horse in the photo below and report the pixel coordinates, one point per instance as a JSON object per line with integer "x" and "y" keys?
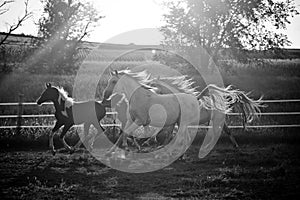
{"x": 68, "y": 113}
{"x": 135, "y": 86}
{"x": 243, "y": 104}
{"x": 176, "y": 84}
{"x": 145, "y": 105}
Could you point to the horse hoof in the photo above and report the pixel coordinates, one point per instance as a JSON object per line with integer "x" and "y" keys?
{"x": 53, "y": 152}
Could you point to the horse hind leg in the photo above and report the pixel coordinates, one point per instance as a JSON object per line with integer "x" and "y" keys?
{"x": 62, "y": 138}
{"x": 51, "y": 145}
{"x": 51, "y": 136}
{"x": 86, "y": 128}
{"x": 232, "y": 139}
{"x": 153, "y": 137}
{"x": 212, "y": 135}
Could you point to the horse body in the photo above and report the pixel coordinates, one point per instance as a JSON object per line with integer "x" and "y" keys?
{"x": 69, "y": 113}
{"x": 213, "y": 103}
{"x": 143, "y": 100}
{"x": 83, "y": 112}
{"x": 240, "y": 101}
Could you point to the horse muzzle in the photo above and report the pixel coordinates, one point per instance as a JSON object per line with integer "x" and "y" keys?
{"x": 39, "y": 102}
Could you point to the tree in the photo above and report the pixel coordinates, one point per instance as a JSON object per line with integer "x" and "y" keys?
{"x": 6, "y": 52}
{"x": 237, "y": 25}
{"x": 62, "y": 27}
{"x": 15, "y": 26}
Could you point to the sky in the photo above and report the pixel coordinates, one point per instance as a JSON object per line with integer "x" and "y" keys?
{"x": 121, "y": 16}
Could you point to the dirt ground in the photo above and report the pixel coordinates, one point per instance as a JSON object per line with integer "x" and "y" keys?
{"x": 255, "y": 172}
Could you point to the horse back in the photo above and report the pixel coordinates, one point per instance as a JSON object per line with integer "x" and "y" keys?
{"x": 189, "y": 107}
{"x": 88, "y": 111}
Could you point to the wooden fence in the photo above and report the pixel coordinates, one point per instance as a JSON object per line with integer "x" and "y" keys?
{"x": 21, "y": 104}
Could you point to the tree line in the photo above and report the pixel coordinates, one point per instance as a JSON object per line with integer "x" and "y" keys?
{"x": 61, "y": 29}
{"x": 238, "y": 26}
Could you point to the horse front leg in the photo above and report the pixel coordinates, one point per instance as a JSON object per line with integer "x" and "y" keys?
{"x": 147, "y": 131}
{"x": 129, "y": 128}
{"x": 62, "y": 137}
{"x": 123, "y": 137}
{"x": 51, "y": 136}
{"x": 92, "y": 137}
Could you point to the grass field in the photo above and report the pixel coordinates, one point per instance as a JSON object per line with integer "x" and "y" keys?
{"x": 256, "y": 172}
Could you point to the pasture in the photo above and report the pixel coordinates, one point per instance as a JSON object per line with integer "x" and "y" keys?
{"x": 265, "y": 167}
{"x": 256, "y": 172}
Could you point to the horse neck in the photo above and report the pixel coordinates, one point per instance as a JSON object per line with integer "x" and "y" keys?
{"x": 162, "y": 89}
{"x": 57, "y": 106}
{"x": 58, "y": 103}
{"x": 130, "y": 86}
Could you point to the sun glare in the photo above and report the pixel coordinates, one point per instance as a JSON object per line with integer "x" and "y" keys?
{"x": 123, "y": 16}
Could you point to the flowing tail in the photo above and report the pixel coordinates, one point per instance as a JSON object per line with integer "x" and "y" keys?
{"x": 225, "y": 99}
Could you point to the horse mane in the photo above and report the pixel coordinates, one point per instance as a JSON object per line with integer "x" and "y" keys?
{"x": 216, "y": 100}
{"x": 181, "y": 83}
{"x": 143, "y": 78}
{"x": 65, "y": 96}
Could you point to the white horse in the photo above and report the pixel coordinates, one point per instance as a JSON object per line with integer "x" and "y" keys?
{"x": 142, "y": 98}
{"x": 243, "y": 104}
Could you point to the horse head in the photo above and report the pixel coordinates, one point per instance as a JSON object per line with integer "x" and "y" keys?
{"x": 49, "y": 94}
{"x": 112, "y": 81}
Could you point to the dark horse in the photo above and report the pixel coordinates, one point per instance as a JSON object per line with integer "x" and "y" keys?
{"x": 68, "y": 112}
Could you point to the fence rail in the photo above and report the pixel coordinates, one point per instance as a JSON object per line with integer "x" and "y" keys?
{"x": 49, "y": 103}
{"x": 21, "y": 104}
{"x": 112, "y": 113}
{"x": 200, "y": 126}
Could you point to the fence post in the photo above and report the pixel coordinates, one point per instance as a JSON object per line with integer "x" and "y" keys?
{"x": 20, "y": 112}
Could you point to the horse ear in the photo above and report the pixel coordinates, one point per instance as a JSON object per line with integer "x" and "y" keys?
{"x": 48, "y": 85}
{"x": 116, "y": 73}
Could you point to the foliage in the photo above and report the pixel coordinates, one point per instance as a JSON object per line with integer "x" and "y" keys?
{"x": 6, "y": 66}
{"x": 62, "y": 27}
{"x": 237, "y": 25}
{"x": 12, "y": 58}
{"x": 3, "y": 9}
